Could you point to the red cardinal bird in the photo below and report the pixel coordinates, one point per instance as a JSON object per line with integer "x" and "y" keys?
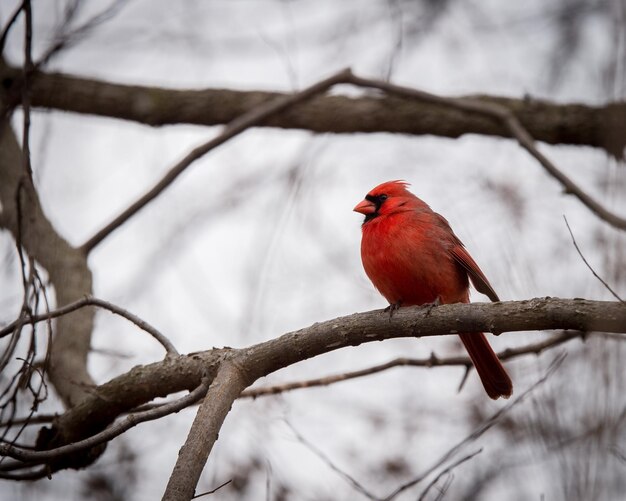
{"x": 413, "y": 257}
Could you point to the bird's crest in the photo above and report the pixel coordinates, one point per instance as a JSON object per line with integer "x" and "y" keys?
{"x": 391, "y": 188}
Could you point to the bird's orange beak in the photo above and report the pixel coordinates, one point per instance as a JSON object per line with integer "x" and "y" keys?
{"x": 365, "y": 207}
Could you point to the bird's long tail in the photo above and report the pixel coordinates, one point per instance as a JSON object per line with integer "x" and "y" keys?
{"x": 492, "y": 373}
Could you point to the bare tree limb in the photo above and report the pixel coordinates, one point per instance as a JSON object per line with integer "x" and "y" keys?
{"x": 492, "y": 110}
{"x": 92, "y": 301}
{"x": 576, "y": 124}
{"x": 66, "y": 266}
{"x": 144, "y": 383}
{"x": 111, "y": 432}
{"x": 241, "y": 123}
{"x": 230, "y": 380}
{"x": 516, "y": 130}
{"x": 432, "y": 361}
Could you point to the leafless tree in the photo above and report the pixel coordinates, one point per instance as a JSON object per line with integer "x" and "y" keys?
{"x": 48, "y": 342}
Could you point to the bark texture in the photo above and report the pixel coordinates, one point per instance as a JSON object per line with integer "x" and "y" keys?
{"x": 66, "y": 267}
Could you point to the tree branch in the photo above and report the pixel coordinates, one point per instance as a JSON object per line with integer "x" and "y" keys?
{"x": 66, "y": 267}
{"x": 52, "y": 456}
{"x": 92, "y": 301}
{"x": 577, "y": 124}
{"x": 479, "y": 431}
{"x": 255, "y": 116}
{"x": 446, "y": 471}
{"x": 226, "y": 387}
{"x": 9, "y": 25}
{"x": 515, "y": 129}
{"x": 144, "y": 383}
{"x": 432, "y": 361}
{"x": 505, "y": 117}
{"x": 582, "y": 256}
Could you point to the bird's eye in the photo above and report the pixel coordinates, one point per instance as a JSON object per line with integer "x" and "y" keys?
{"x": 383, "y": 197}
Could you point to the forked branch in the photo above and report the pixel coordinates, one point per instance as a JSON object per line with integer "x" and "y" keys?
{"x": 263, "y": 112}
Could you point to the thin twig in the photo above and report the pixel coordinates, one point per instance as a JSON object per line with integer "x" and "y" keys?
{"x": 27, "y": 71}
{"x": 608, "y": 287}
{"x": 330, "y": 464}
{"x": 29, "y": 367}
{"x": 65, "y": 36}
{"x": 20, "y": 379}
{"x": 486, "y": 425}
{"x": 253, "y": 117}
{"x": 109, "y": 433}
{"x": 92, "y": 301}
{"x": 9, "y": 25}
{"x": 448, "y": 470}
{"x": 214, "y": 490}
{"x": 29, "y": 420}
{"x": 25, "y": 475}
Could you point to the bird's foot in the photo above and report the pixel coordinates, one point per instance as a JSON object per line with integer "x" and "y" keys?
{"x": 429, "y": 306}
{"x": 392, "y": 308}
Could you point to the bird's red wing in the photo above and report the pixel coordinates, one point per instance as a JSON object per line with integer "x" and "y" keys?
{"x": 461, "y": 256}
{"x": 477, "y": 277}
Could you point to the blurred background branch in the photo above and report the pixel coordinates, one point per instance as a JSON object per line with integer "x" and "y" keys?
{"x": 550, "y": 122}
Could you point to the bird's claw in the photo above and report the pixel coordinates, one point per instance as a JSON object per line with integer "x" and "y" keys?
{"x": 429, "y": 306}
{"x": 392, "y": 308}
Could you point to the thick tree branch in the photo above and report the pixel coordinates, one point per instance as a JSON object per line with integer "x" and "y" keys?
{"x": 432, "y": 361}
{"x": 66, "y": 267}
{"x": 507, "y": 316}
{"x": 144, "y": 383}
{"x": 577, "y": 124}
{"x": 230, "y": 380}
{"x": 130, "y": 421}
{"x": 122, "y": 395}
{"x": 505, "y": 116}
